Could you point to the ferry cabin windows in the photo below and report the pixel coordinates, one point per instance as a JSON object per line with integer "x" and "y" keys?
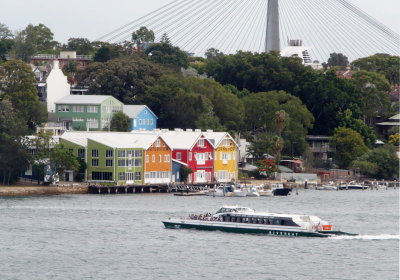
{"x": 277, "y": 221}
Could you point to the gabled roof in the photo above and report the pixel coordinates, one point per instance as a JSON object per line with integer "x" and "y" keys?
{"x": 83, "y": 99}
{"x": 119, "y": 140}
{"x": 132, "y": 111}
{"x": 217, "y": 137}
{"x": 182, "y": 140}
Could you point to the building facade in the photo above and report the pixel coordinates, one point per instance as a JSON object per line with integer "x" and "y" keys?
{"x": 158, "y": 163}
{"x": 87, "y": 112}
{"x": 142, "y": 118}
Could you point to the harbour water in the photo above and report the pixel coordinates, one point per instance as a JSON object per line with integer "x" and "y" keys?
{"x": 122, "y": 237}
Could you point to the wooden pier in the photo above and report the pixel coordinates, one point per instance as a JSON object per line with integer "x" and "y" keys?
{"x": 172, "y": 188}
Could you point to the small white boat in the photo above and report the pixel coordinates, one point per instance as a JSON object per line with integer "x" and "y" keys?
{"x": 327, "y": 187}
{"x": 251, "y": 191}
{"x": 221, "y": 191}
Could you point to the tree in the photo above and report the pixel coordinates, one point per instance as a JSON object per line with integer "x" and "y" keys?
{"x": 346, "y": 119}
{"x": 374, "y": 98}
{"x": 394, "y": 139}
{"x": 207, "y": 104}
{"x": 120, "y": 122}
{"x": 82, "y": 46}
{"x": 381, "y": 162}
{"x": 267, "y": 166}
{"x": 165, "y": 53}
{"x": 384, "y": 64}
{"x": 124, "y": 78}
{"x": 338, "y": 59}
{"x": 17, "y": 86}
{"x": 5, "y": 32}
{"x": 32, "y": 40}
{"x": 165, "y": 39}
{"x": 261, "y": 117}
{"x": 6, "y": 46}
{"x": 349, "y": 146}
{"x": 63, "y": 159}
{"x": 185, "y": 172}
{"x": 108, "y": 52}
{"x": 14, "y": 154}
{"x": 213, "y": 53}
{"x": 142, "y": 36}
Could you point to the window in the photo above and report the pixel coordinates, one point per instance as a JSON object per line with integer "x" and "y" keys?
{"x": 190, "y": 156}
{"x": 153, "y": 158}
{"x": 121, "y": 153}
{"x": 102, "y": 176}
{"x": 121, "y": 176}
{"x": 78, "y": 109}
{"x": 159, "y": 158}
{"x": 158, "y": 143}
{"x": 92, "y": 123}
{"x": 201, "y": 143}
{"x": 138, "y": 162}
{"x": 121, "y": 162}
{"x": 147, "y": 158}
{"x": 109, "y": 153}
{"x": 81, "y": 153}
{"x": 178, "y": 156}
{"x": 151, "y": 121}
{"x": 63, "y": 108}
{"x": 95, "y": 162}
{"x": 138, "y": 153}
{"x": 140, "y": 122}
{"x": 167, "y": 158}
{"x": 77, "y": 119}
{"x": 95, "y": 153}
{"x": 109, "y": 162}
{"x": 138, "y": 176}
{"x": 145, "y": 112}
{"x": 92, "y": 109}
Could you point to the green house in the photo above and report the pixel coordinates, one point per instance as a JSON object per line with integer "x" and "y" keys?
{"x": 87, "y": 112}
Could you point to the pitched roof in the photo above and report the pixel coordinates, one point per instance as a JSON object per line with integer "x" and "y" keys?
{"x": 217, "y": 137}
{"x": 118, "y": 140}
{"x": 83, "y": 99}
{"x": 181, "y": 140}
{"x": 125, "y": 140}
{"x": 132, "y": 111}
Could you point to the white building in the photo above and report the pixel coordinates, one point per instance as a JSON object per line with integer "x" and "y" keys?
{"x": 57, "y": 87}
{"x": 296, "y": 48}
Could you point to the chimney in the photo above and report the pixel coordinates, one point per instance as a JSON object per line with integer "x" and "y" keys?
{"x": 56, "y": 64}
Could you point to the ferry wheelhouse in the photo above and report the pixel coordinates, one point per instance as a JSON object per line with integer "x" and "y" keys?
{"x": 246, "y": 220}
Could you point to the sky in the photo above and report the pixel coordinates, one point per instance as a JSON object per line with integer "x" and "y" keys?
{"x": 93, "y": 18}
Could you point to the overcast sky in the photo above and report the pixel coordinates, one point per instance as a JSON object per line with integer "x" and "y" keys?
{"x": 93, "y": 18}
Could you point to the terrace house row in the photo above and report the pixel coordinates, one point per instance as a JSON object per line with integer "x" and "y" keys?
{"x": 154, "y": 157}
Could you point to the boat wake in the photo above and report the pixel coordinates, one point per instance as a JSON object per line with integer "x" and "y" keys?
{"x": 369, "y": 237}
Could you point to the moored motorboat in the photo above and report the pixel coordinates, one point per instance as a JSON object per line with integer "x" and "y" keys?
{"x": 327, "y": 187}
{"x": 221, "y": 191}
{"x": 245, "y": 220}
{"x": 352, "y": 186}
{"x": 280, "y": 190}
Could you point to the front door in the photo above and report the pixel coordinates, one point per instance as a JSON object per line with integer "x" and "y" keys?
{"x": 201, "y": 176}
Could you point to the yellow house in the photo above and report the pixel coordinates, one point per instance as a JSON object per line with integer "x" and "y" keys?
{"x": 226, "y": 155}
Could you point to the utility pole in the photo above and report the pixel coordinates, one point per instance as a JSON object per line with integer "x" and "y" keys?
{"x": 272, "y": 39}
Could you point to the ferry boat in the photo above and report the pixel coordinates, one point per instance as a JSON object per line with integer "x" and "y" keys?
{"x": 246, "y": 220}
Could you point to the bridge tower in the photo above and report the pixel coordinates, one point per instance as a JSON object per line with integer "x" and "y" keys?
{"x": 272, "y": 39}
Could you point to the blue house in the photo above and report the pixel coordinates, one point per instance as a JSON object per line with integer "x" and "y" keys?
{"x": 142, "y": 118}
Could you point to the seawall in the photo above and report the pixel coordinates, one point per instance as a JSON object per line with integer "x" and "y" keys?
{"x": 42, "y": 190}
